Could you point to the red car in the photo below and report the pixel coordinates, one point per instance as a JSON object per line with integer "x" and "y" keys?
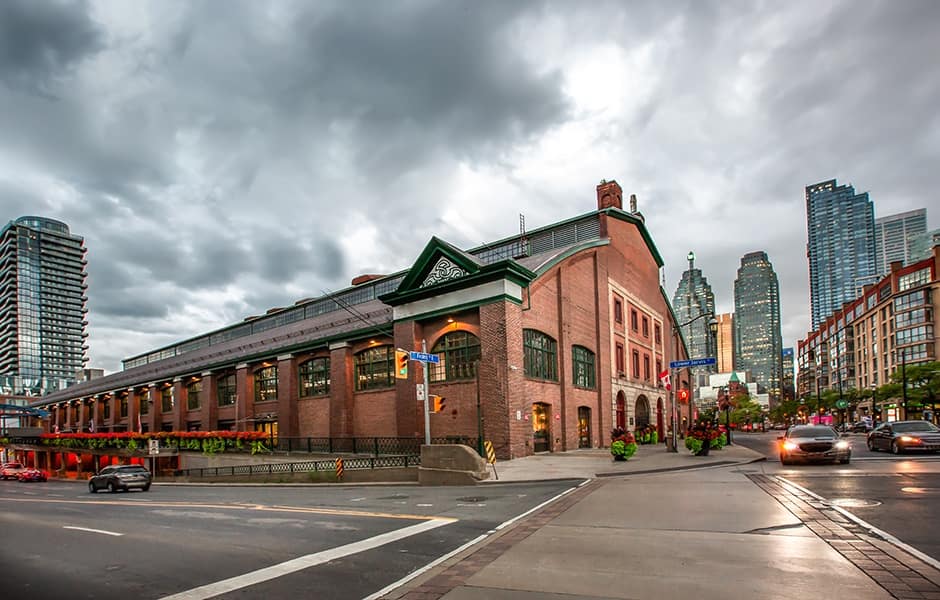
{"x": 31, "y": 475}
{"x": 11, "y": 470}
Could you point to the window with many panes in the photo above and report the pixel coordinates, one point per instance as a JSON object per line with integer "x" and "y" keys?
{"x": 144, "y": 401}
{"x": 539, "y": 355}
{"x": 917, "y": 278}
{"x": 582, "y": 361}
{"x": 266, "y": 384}
{"x": 375, "y": 368}
{"x": 166, "y": 399}
{"x": 458, "y": 352}
{"x": 124, "y": 407}
{"x": 315, "y": 377}
{"x": 193, "y": 391}
{"x": 106, "y": 409}
{"x": 226, "y": 390}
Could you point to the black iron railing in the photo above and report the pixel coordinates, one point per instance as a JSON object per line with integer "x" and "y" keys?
{"x": 309, "y": 466}
{"x": 376, "y": 446}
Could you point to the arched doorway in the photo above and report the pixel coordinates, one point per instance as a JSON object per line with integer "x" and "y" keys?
{"x": 584, "y": 427}
{"x": 621, "y": 416}
{"x": 642, "y": 412}
{"x": 541, "y": 430}
{"x": 659, "y": 419}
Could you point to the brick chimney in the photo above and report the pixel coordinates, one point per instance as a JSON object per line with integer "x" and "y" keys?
{"x": 609, "y": 194}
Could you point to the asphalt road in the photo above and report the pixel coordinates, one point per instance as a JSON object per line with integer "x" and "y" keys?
{"x": 59, "y": 541}
{"x": 899, "y": 495}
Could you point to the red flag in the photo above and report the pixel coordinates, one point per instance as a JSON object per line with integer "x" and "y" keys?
{"x": 664, "y": 377}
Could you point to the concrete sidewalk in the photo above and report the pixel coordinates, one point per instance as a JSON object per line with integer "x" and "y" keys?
{"x": 653, "y": 527}
{"x": 597, "y": 462}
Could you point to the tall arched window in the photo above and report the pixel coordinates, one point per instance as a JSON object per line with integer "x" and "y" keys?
{"x": 375, "y": 368}
{"x": 540, "y": 355}
{"x": 582, "y": 361}
{"x": 458, "y": 351}
{"x": 315, "y": 377}
{"x": 266, "y": 384}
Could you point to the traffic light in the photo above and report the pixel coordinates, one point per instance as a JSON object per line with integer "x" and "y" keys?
{"x": 683, "y": 395}
{"x": 437, "y": 403}
{"x": 401, "y": 364}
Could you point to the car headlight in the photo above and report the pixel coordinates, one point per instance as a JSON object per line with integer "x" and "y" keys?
{"x": 842, "y": 445}
{"x": 789, "y": 446}
{"x": 909, "y": 440}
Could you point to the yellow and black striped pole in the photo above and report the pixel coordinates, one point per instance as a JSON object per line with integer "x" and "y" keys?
{"x": 491, "y": 456}
{"x": 339, "y": 469}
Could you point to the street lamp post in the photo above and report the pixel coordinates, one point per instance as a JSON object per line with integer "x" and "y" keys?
{"x": 713, "y": 327}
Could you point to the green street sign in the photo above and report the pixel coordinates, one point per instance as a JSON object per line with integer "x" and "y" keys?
{"x": 841, "y": 404}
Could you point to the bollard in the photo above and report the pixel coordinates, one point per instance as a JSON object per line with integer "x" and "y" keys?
{"x": 339, "y": 469}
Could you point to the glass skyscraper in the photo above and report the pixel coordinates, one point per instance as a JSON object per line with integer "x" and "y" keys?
{"x": 694, "y": 305}
{"x": 893, "y": 236}
{"x": 840, "y": 228}
{"x": 42, "y": 306}
{"x": 758, "y": 345}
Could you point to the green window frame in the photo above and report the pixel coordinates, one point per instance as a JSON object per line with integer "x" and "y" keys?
{"x": 583, "y": 371}
{"x": 166, "y": 399}
{"x": 375, "y": 368}
{"x": 315, "y": 377}
{"x": 266, "y": 384}
{"x": 459, "y": 352}
{"x": 193, "y": 392}
{"x": 226, "y": 390}
{"x": 540, "y": 355}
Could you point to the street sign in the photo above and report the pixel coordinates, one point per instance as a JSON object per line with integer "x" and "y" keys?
{"x": 695, "y": 362}
{"x": 841, "y": 404}
{"x": 425, "y": 357}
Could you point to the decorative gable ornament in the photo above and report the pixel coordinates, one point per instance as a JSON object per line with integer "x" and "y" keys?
{"x": 444, "y": 270}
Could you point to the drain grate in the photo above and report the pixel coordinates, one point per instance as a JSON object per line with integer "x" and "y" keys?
{"x": 854, "y": 502}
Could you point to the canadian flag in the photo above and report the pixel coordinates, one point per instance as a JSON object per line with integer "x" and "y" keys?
{"x": 664, "y": 377}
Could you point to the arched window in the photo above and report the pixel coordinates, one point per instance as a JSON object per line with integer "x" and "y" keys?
{"x": 375, "y": 368}
{"x": 225, "y": 389}
{"x": 458, "y": 351}
{"x": 266, "y": 384}
{"x": 315, "y": 377}
{"x": 539, "y": 355}
{"x": 582, "y": 361}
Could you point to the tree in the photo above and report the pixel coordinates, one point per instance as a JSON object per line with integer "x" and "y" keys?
{"x": 746, "y": 410}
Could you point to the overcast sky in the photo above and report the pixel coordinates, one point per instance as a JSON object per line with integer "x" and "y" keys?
{"x": 222, "y": 158}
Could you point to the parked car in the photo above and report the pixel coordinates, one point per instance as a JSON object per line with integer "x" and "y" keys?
{"x": 32, "y": 475}
{"x": 904, "y": 436}
{"x": 120, "y": 477}
{"x": 811, "y": 443}
{"x": 11, "y": 470}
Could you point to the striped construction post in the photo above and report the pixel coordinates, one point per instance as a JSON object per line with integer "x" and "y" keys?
{"x": 339, "y": 469}
{"x": 491, "y": 456}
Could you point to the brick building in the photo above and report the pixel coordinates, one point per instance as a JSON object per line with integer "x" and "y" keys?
{"x": 556, "y": 334}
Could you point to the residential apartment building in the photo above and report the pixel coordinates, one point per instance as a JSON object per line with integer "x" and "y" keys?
{"x": 42, "y": 306}
{"x": 890, "y": 326}
{"x": 893, "y": 236}
{"x": 840, "y": 247}
{"x": 566, "y": 326}
{"x": 758, "y": 345}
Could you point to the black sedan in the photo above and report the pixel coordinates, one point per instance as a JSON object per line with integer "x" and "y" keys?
{"x": 813, "y": 443}
{"x": 120, "y": 477}
{"x": 904, "y": 436}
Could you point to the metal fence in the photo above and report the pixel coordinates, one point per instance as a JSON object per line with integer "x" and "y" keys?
{"x": 376, "y": 446}
{"x": 309, "y": 466}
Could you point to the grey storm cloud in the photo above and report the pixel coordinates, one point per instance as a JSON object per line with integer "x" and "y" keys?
{"x": 225, "y": 157}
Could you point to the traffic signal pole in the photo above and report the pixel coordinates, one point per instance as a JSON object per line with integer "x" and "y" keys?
{"x": 427, "y": 396}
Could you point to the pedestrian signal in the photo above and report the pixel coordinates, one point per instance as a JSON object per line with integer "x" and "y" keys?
{"x": 437, "y": 403}
{"x": 401, "y": 364}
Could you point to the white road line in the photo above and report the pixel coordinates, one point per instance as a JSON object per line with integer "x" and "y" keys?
{"x": 304, "y": 562}
{"x": 882, "y": 534}
{"x": 114, "y": 533}
{"x": 535, "y": 508}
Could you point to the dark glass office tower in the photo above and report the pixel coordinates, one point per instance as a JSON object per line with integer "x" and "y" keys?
{"x": 758, "y": 345}
{"x": 841, "y": 246}
{"x": 42, "y": 306}
{"x": 694, "y": 306}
